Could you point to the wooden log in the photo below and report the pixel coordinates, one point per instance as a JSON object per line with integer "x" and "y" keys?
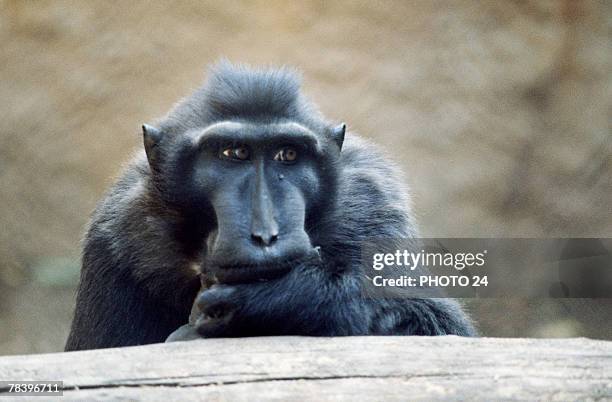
{"x": 345, "y": 369}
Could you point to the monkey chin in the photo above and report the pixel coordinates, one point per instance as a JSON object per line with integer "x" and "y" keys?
{"x": 236, "y": 272}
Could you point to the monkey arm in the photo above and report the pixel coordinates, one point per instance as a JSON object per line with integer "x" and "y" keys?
{"x": 111, "y": 309}
{"x": 134, "y": 287}
{"x": 307, "y": 301}
{"x": 312, "y": 301}
{"x": 417, "y": 316}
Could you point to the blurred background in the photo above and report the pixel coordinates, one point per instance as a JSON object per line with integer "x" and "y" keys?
{"x": 498, "y": 111}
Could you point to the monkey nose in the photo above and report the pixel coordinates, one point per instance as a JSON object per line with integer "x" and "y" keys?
{"x": 264, "y": 239}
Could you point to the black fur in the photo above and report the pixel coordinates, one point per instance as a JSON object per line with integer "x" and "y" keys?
{"x": 147, "y": 237}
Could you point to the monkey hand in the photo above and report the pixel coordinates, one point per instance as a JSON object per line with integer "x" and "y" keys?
{"x": 307, "y": 301}
{"x": 217, "y": 305}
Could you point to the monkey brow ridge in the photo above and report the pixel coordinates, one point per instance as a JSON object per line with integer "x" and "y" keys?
{"x": 238, "y": 130}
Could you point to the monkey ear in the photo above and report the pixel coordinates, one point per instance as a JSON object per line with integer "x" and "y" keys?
{"x": 151, "y": 137}
{"x": 338, "y": 134}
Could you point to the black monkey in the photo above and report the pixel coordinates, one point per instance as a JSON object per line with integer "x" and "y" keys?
{"x": 247, "y": 183}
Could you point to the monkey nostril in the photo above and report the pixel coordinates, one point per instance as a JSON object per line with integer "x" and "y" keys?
{"x": 264, "y": 240}
{"x": 256, "y": 239}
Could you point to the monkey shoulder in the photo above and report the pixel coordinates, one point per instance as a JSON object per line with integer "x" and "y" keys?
{"x": 132, "y": 230}
{"x": 373, "y": 196}
{"x": 125, "y": 204}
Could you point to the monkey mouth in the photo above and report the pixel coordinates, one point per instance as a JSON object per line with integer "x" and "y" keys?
{"x": 237, "y": 272}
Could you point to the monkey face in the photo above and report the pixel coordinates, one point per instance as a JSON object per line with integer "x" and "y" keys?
{"x": 264, "y": 185}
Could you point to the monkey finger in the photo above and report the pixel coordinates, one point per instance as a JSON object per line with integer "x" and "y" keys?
{"x": 217, "y": 301}
{"x": 213, "y": 327}
{"x": 186, "y": 332}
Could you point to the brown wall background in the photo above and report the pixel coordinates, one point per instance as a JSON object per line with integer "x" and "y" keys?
{"x": 498, "y": 111}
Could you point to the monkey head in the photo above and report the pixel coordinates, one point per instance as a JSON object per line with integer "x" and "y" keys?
{"x": 256, "y": 184}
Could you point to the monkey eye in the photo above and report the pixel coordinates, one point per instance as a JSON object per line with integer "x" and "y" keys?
{"x": 237, "y": 153}
{"x": 286, "y": 154}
